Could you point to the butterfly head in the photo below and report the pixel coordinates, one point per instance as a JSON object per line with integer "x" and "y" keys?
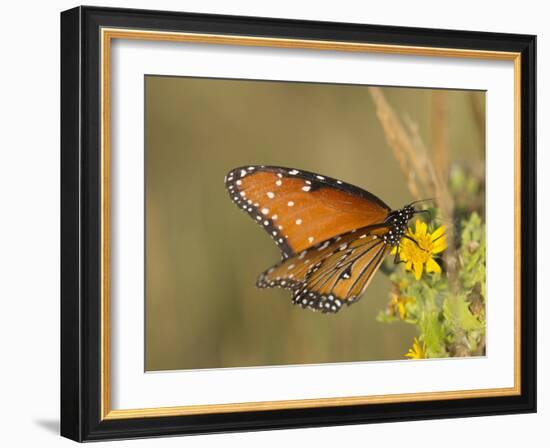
{"x": 401, "y": 216}
{"x": 398, "y": 220}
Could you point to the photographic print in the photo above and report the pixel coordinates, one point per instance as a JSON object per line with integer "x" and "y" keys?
{"x": 296, "y": 223}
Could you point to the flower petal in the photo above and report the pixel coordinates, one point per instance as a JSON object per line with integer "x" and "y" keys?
{"x": 421, "y": 228}
{"x": 401, "y": 310}
{"x": 438, "y": 232}
{"x": 416, "y": 351}
{"x": 418, "y": 270}
{"x": 433, "y": 266}
{"x": 440, "y": 245}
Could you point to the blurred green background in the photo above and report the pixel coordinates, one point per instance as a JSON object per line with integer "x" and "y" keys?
{"x": 203, "y": 255}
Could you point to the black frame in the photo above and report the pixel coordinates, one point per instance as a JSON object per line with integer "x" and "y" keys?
{"x": 80, "y": 224}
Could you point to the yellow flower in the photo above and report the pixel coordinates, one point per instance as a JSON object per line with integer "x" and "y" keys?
{"x": 418, "y": 254}
{"x": 398, "y": 303}
{"x": 417, "y": 351}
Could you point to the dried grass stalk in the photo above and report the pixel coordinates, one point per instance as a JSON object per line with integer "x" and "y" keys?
{"x": 424, "y": 179}
{"x": 440, "y": 134}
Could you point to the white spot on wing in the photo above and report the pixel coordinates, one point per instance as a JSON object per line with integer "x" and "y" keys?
{"x": 298, "y": 222}
{"x": 290, "y": 203}
{"x": 270, "y": 194}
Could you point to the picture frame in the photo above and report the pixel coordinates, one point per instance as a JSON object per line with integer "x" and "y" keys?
{"x": 87, "y": 35}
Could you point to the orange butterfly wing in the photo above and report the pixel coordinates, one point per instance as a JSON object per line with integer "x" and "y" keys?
{"x": 334, "y": 272}
{"x": 300, "y": 209}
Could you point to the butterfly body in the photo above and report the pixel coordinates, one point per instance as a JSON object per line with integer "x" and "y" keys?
{"x": 333, "y": 236}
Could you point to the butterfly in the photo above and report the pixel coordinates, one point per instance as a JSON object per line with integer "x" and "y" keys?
{"x": 333, "y": 236}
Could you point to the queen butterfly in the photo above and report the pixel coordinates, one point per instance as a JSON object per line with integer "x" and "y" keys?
{"x": 333, "y": 236}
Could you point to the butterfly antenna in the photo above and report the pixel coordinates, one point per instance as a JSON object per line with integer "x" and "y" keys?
{"x": 418, "y": 212}
{"x": 420, "y": 201}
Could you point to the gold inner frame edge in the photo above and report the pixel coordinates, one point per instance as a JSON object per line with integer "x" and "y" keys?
{"x": 106, "y": 37}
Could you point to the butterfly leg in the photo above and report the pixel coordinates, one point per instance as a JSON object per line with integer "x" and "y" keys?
{"x": 414, "y": 241}
{"x": 397, "y": 258}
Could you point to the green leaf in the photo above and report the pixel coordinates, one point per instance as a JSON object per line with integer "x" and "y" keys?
{"x": 433, "y": 334}
{"x": 382, "y": 316}
{"x": 472, "y": 253}
{"x": 456, "y": 311}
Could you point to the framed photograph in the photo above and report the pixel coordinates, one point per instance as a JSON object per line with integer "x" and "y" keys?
{"x": 271, "y": 224}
